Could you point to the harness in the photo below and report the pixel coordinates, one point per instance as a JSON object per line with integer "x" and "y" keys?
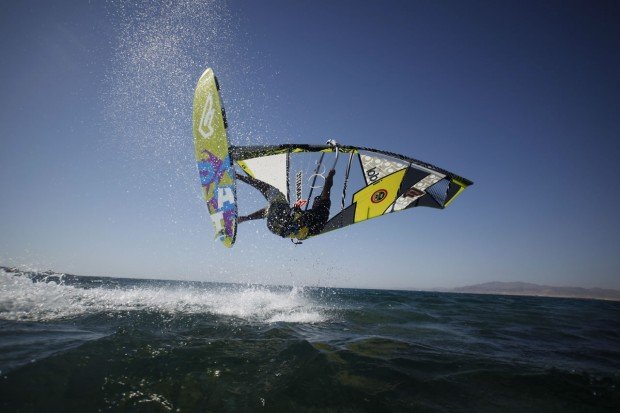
{"x": 296, "y": 231}
{"x": 287, "y": 224}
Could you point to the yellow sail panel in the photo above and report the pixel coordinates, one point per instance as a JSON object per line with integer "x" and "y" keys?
{"x": 376, "y": 198}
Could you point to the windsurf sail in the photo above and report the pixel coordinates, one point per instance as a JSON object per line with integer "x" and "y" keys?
{"x": 374, "y": 183}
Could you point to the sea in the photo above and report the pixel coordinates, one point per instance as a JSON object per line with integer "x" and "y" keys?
{"x": 94, "y": 344}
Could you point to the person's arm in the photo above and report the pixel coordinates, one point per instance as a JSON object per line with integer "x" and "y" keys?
{"x": 329, "y": 181}
{"x": 260, "y": 214}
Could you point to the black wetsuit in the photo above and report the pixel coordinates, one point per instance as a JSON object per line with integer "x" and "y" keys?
{"x": 316, "y": 217}
{"x": 286, "y": 221}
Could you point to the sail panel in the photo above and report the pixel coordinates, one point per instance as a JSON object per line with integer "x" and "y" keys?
{"x": 376, "y": 167}
{"x": 415, "y": 191}
{"x": 271, "y": 169}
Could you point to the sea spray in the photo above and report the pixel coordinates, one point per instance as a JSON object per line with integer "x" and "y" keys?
{"x": 27, "y": 299}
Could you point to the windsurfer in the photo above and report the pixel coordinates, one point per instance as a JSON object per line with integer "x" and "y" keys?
{"x": 287, "y": 221}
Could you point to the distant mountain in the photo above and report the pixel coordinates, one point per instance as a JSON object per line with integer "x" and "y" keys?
{"x": 521, "y": 288}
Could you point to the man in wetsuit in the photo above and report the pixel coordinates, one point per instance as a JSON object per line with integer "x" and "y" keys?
{"x": 291, "y": 222}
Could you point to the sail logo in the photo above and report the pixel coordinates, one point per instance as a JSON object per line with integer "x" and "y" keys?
{"x": 378, "y": 196}
{"x": 205, "y": 126}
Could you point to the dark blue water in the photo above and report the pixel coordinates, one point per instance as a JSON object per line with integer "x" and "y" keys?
{"x": 103, "y": 344}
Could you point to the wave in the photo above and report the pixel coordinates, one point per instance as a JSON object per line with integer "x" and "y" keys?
{"x": 46, "y": 298}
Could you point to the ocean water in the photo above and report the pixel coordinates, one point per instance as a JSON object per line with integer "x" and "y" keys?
{"x": 86, "y": 344}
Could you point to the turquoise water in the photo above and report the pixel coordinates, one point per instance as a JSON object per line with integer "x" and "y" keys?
{"x": 104, "y": 344}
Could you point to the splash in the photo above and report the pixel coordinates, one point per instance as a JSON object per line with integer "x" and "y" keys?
{"x": 21, "y": 299}
{"x": 159, "y": 50}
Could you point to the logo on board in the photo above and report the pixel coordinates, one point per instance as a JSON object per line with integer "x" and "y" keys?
{"x": 205, "y": 126}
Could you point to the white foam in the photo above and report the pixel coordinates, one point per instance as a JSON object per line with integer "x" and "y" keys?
{"x": 21, "y": 299}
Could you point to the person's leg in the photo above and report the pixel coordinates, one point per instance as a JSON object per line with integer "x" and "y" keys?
{"x": 260, "y": 214}
{"x": 271, "y": 193}
{"x": 260, "y": 185}
{"x": 263, "y": 188}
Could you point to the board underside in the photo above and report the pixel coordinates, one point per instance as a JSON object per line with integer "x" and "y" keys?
{"x": 217, "y": 174}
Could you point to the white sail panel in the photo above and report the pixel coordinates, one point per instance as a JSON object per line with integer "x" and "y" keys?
{"x": 377, "y": 167}
{"x": 272, "y": 169}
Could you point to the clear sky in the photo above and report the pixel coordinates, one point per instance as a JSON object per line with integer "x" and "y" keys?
{"x": 96, "y": 149}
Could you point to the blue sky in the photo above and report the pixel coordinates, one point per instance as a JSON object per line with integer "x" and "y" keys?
{"x": 96, "y": 157}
